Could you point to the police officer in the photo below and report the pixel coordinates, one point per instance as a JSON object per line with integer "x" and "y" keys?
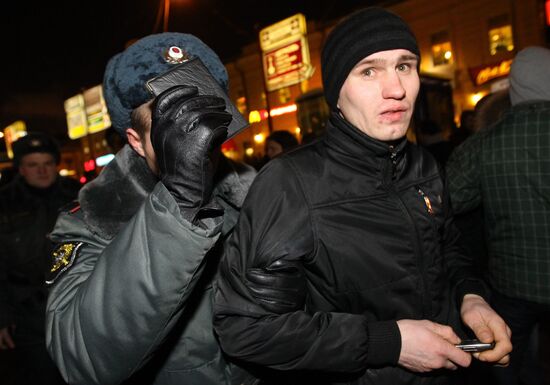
{"x": 130, "y": 295}
{"x": 29, "y": 205}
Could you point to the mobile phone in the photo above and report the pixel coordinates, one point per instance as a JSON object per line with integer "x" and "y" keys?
{"x": 475, "y": 346}
{"x": 194, "y": 73}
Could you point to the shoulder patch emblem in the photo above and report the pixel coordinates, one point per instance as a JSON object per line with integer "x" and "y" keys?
{"x": 63, "y": 257}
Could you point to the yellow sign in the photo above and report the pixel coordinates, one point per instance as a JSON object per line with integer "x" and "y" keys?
{"x": 76, "y": 117}
{"x": 96, "y": 110}
{"x": 87, "y": 113}
{"x": 13, "y": 132}
{"x": 283, "y": 32}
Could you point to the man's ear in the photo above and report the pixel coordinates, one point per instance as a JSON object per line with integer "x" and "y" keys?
{"x": 134, "y": 140}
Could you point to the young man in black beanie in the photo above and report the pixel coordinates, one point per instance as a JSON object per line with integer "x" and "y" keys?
{"x": 131, "y": 284}
{"x": 345, "y": 266}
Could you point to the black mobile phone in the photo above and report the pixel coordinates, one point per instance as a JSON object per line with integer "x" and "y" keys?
{"x": 193, "y": 72}
{"x": 475, "y": 346}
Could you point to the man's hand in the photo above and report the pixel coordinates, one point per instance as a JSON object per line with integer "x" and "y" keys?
{"x": 426, "y": 346}
{"x": 6, "y": 342}
{"x": 488, "y": 326}
{"x": 186, "y": 134}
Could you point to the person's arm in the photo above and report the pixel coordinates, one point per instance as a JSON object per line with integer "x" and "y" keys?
{"x": 117, "y": 302}
{"x": 260, "y": 300}
{"x": 463, "y": 175}
{"x": 464, "y": 185}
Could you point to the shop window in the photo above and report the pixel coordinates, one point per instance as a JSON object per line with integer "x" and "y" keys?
{"x": 442, "y": 52}
{"x": 500, "y": 35}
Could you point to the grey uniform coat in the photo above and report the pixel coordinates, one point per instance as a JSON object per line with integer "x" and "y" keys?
{"x": 132, "y": 300}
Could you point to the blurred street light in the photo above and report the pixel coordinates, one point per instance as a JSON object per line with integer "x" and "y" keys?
{"x": 164, "y": 13}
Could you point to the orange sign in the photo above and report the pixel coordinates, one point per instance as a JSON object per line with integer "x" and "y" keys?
{"x": 483, "y": 74}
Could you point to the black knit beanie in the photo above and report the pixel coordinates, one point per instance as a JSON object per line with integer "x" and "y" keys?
{"x": 361, "y": 34}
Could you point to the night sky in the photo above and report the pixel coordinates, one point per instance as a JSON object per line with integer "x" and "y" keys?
{"x": 52, "y": 50}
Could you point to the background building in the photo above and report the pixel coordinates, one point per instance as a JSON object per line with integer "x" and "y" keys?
{"x": 466, "y": 46}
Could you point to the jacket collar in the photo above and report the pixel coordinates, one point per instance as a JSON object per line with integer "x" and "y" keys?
{"x": 345, "y": 137}
{"x": 115, "y": 195}
{"x": 111, "y": 199}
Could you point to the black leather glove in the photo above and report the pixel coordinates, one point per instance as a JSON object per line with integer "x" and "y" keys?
{"x": 186, "y": 134}
{"x": 280, "y": 288}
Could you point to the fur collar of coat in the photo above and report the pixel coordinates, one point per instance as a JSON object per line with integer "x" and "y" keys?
{"x": 111, "y": 199}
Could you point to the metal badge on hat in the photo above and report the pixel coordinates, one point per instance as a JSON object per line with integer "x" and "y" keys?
{"x": 175, "y": 55}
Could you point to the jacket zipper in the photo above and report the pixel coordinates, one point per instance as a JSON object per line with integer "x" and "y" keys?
{"x": 393, "y": 158}
{"x": 426, "y": 306}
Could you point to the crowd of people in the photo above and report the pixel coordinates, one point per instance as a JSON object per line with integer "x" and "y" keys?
{"x": 356, "y": 258}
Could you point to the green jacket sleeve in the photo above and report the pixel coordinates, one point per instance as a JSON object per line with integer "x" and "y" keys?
{"x": 463, "y": 175}
{"x": 112, "y": 308}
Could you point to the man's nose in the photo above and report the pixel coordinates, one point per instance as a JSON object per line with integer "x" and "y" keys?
{"x": 392, "y": 87}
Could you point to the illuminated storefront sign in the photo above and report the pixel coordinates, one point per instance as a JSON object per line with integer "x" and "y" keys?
{"x": 257, "y": 116}
{"x": 283, "y": 32}
{"x": 285, "y": 53}
{"x": 76, "y": 117}
{"x": 283, "y": 110}
{"x": 96, "y": 110}
{"x": 483, "y": 74}
{"x": 287, "y": 65}
{"x": 87, "y": 113}
{"x": 13, "y": 132}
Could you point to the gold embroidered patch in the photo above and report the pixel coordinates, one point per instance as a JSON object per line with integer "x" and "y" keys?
{"x": 63, "y": 257}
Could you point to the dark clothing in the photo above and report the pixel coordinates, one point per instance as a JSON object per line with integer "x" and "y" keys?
{"x": 440, "y": 151}
{"x": 27, "y": 215}
{"x": 506, "y": 169}
{"x": 134, "y": 305}
{"x": 522, "y": 317}
{"x": 350, "y": 235}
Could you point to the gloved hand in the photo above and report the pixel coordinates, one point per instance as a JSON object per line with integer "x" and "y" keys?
{"x": 186, "y": 134}
{"x": 279, "y": 287}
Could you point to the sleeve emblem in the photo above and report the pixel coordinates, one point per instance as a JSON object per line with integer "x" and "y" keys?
{"x": 63, "y": 257}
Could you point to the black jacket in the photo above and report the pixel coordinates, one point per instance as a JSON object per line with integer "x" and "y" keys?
{"x": 27, "y": 216}
{"x": 336, "y": 242}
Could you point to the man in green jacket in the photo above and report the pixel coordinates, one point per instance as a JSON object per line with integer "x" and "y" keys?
{"x": 504, "y": 170}
{"x": 130, "y": 298}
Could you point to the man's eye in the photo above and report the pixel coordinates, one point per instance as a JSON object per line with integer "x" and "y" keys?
{"x": 368, "y": 72}
{"x": 404, "y": 67}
